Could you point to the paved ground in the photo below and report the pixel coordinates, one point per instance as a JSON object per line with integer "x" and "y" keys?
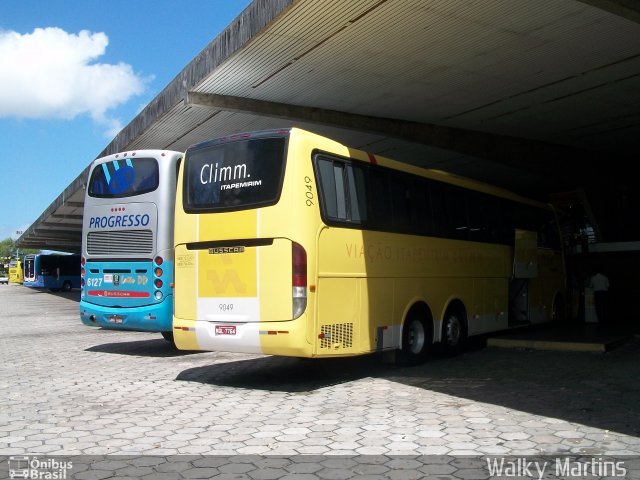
{"x": 67, "y": 389}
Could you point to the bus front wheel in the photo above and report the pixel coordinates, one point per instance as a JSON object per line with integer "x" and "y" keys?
{"x": 66, "y": 287}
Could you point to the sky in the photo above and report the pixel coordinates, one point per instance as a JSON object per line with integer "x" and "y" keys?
{"x": 73, "y": 73}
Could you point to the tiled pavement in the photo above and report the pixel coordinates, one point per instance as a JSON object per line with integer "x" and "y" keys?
{"x": 67, "y": 389}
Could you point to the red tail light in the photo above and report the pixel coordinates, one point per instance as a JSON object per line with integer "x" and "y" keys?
{"x": 299, "y": 264}
{"x": 82, "y": 282}
{"x": 83, "y": 261}
{"x": 158, "y": 283}
{"x": 158, "y": 260}
{"x": 299, "y": 279}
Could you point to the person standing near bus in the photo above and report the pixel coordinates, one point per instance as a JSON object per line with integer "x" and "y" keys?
{"x": 600, "y": 285}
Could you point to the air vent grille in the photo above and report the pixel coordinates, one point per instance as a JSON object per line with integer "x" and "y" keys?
{"x": 122, "y": 242}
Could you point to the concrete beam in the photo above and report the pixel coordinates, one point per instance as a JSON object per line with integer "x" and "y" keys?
{"x": 45, "y": 233}
{"x": 74, "y": 204}
{"x": 62, "y": 236}
{"x": 67, "y": 217}
{"x": 241, "y": 30}
{"x": 58, "y": 247}
{"x": 525, "y": 154}
{"x": 58, "y": 227}
{"x": 629, "y": 9}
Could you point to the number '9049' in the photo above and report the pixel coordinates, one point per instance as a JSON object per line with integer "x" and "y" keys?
{"x": 309, "y": 191}
{"x": 225, "y": 307}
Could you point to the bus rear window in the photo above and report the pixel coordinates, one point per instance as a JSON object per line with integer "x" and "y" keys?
{"x": 124, "y": 178}
{"x": 234, "y": 176}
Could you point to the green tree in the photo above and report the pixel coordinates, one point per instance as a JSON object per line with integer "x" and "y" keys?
{"x": 8, "y": 250}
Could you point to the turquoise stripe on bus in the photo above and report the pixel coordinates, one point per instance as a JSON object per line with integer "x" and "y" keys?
{"x": 107, "y": 175}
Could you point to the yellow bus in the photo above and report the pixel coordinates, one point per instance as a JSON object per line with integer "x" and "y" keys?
{"x": 289, "y": 243}
{"x": 15, "y": 271}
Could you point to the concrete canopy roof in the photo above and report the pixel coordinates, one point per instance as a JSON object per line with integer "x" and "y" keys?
{"x": 529, "y": 95}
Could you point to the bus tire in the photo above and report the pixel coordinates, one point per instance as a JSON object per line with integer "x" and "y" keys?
{"x": 417, "y": 337}
{"x": 454, "y": 331}
{"x": 66, "y": 286}
{"x": 168, "y": 336}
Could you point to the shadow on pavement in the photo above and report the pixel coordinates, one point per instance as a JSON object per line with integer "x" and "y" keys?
{"x": 73, "y": 295}
{"x": 600, "y": 390}
{"x": 287, "y": 374}
{"x": 595, "y": 389}
{"x": 141, "y": 348}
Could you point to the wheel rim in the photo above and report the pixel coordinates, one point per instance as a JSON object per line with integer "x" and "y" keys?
{"x": 416, "y": 337}
{"x": 453, "y": 330}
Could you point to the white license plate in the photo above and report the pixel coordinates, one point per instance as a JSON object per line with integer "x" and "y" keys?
{"x": 225, "y": 329}
{"x": 115, "y": 318}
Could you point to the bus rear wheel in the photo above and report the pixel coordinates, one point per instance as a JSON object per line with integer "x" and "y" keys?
{"x": 416, "y": 340}
{"x": 454, "y": 332}
{"x": 66, "y": 286}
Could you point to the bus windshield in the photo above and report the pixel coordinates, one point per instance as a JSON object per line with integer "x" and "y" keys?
{"x": 234, "y": 175}
{"x": 123, "y": 178}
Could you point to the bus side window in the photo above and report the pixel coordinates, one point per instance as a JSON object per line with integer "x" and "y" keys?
{"x": 380, "y": 206}
{"x": 420, "y": 213}
{"x": 449, "y": 211}
{"x": 458, "y": 222}
{"x": 357, "y": 198}
{"x": 477, "y": 207}
{"x": 343, "y": 191}
{"x": 493, "y": 219}
{"x": 341, "y": 199}
{"x": 400, "y": 202}
{"x": 438, "y": 204}
{"x": 484, "y": 218}
{"x": 328, "y": 186}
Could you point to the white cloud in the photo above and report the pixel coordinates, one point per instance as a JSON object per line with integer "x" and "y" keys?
{"x": 53, "y": 74}
{"x": 113, "y": 127}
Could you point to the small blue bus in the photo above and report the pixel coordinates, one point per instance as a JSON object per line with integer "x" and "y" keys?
{"x": 53, "y": 271}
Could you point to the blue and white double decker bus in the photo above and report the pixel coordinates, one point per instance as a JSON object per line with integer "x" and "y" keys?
{"x": 127, "y": 242}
